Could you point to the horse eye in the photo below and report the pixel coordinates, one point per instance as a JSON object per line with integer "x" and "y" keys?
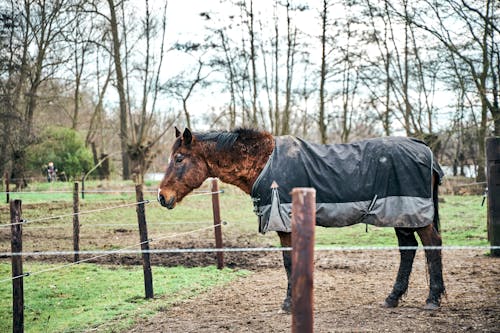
{"x": 179, "y": 158}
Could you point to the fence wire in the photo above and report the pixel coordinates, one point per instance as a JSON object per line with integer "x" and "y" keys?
{"x": 26, "y": 221}
{"x": 194, "y": 193}
{"x": 97, "y": 254}
{"x": 126, "y": 250}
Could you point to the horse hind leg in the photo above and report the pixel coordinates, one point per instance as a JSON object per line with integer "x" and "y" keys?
{"x": 286, "y": 241}
{"x": 406, "y": 237}
{"x": 430, "y": 237}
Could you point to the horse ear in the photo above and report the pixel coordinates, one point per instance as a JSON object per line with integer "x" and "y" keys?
{"x": 177, "y": 132}
{"x": 187, "y": 136}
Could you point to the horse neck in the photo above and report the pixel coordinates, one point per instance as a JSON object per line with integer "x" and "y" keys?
{"x": 241, "y": 164}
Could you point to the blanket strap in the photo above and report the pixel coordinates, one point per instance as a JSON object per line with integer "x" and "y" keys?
{"x": 370, "y": 207}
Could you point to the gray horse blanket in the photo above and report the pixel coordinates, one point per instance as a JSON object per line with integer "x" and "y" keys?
{"x": 384, "y": 182}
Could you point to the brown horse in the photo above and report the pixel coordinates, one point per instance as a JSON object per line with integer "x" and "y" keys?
{"x": 238, "y": 157}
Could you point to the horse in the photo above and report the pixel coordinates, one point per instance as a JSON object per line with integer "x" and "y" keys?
{"x": 241, "y": 157}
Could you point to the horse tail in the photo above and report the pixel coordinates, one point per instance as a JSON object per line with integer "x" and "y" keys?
{"x": 435, "y": 192}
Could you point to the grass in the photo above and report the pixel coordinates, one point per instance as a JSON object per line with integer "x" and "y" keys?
{"x": 463, "y": 221}
{"x": 87, "y": 296}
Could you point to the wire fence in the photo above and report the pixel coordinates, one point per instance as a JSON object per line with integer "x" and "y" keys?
{"x": 26, "y": 221}
{"x": 132, "y": 249}
{"x": 117, "y": 191}
{"x": 126, "y": 250}
{"x": 97, "y": 253}
{"x": 131, "y": 225}
{"x": 180, "y": 250}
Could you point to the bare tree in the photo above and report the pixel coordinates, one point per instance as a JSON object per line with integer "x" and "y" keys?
{"x": 80, "y": 38}
{"x": 291, "y": 50}
{"x": 120, "y": 85}
{"x": 322, "y": 76}
{"x": 33, "y": 32}
{"x": 474, "y": 42}
{"x": 184, "y": 85}
{"x": 379, "y": 73}
{"x": 144, "y": 134}
{"x": 228, "y": 64}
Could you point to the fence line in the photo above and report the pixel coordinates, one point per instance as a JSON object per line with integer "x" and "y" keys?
{"x": 17, "y": 279}
{"x": 25, "y": 221}
{"x": 470, "y": 184}
{"x": 195, "y": 192}
{"x": 102, "y": 253}
{"x": 91, "y": 224}
{"x": 248, "y": 249}
{"x": 97, "y": 253}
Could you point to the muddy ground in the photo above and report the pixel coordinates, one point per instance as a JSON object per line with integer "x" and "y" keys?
{"x": 348, "y": 290}
{"x": 348, "y": 286}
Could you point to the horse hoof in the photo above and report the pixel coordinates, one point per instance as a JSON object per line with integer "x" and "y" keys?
{"x": 390, "y": 303}
{"x": 286, "y": 307}
{"x": 431, "y": 306}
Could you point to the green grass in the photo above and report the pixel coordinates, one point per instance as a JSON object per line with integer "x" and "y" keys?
{"x": 86, "y": 296}
{"x": 463, "y": 221}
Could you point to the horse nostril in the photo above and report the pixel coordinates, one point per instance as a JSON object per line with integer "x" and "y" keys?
{"x": 169, "y": 204}
{"x": 161, "y": 200}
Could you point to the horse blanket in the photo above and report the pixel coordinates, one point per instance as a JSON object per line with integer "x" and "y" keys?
{"x": 384, "y": 182}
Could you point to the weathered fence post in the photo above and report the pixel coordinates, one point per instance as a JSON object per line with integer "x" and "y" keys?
{"x": 217, "y": 222}
{"x": 17, "y": 267}
{"x": 83, "y": 186}
{"x": 7, "y": 189}
{"x": 143, "y": 233}
{"x": 303, "y": 222}
{"x": 76, "y": 223}
{"x": 493, "y": 177}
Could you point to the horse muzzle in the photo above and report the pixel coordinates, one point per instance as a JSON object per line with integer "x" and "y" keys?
{"x": 170, "y": 203}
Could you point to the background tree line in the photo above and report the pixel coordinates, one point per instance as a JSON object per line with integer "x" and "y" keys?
{"x": 119, "y": 75}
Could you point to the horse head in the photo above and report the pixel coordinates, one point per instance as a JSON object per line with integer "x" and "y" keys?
{"x": 186, "y": 170}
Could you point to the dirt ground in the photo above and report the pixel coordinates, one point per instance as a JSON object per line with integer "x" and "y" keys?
{"x": 348, "y": 290}
{"x": 348, "y": 287}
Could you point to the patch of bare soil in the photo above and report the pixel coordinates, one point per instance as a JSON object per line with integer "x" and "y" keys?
{"x": 348, "y": 290}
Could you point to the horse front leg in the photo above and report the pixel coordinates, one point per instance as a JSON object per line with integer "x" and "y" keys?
{"x": 430, "y": 237}
{"x": 406, "y": 237}
{"x": 286, "y": 241}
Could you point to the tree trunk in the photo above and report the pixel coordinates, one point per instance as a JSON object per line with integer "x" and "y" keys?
{"x": 276, "y": 76}
{"x": 254, "y": 66}
{"x": 121, "y": 90}
{"x": 291, "y": 45}
{"x": 322, "y": 79}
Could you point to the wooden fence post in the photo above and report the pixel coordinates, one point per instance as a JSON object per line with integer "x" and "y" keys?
{"x": 83, "y": 186}
{"x": 76, "y": 223}
{"x": 493, "y": 178}
{"x": 7, "y": 189}
{"x": 303, "y": 222}
{"x": 17, "y": 267}
{"x": 143, "y": 233}
{"x": 217, "y": 222}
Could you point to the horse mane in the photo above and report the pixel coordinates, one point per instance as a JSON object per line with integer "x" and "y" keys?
{"x": 224, "y": 140}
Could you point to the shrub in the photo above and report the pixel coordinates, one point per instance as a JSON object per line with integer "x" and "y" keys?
{"x": 65, "y": 148}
